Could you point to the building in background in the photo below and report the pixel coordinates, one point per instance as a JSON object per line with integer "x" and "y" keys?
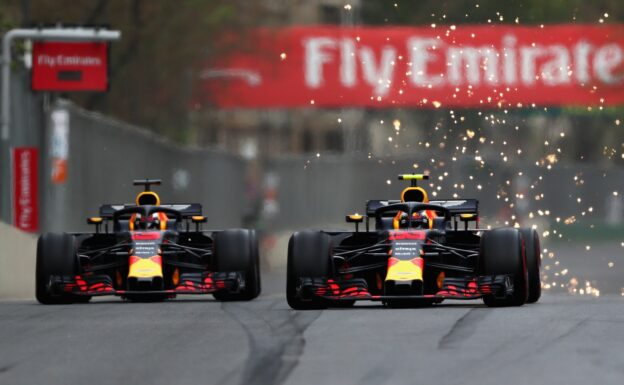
{"x": 289, "y": 131}
{"x": 386, "y": 131}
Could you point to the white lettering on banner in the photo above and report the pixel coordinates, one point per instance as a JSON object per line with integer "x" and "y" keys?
{"x": 607, "y": 58}
{"x": 378, "y": 77}
{"x": 555, "y": 71}
{"x": 316, "y": 57}
{"x": 529, "y": 55}
{"x": 62, "y": 60}
{"x": 475, "y": 59}
{"x": 348, "y": 75}
{"x": 25, "y": 199}
{"x": 508, "y": 65}
{"x": 510, "y": 59}
{"x": 420, "y": 57}
{"x": 581, "y": 58}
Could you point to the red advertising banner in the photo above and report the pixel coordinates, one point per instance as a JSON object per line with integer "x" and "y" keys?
{"x": 437, "y": 66}
{"x": 25, "y": 184}
{"x": 70, "y": 66}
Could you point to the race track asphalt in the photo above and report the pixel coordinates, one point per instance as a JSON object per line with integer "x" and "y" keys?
{"x": 563, "y": 339}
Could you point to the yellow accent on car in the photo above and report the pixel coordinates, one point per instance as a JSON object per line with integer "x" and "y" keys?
{"x": 198, "y": 218}
{"x": 404, "y": 271}
{"x": 414, "y": 194}
{"x": 118, "y": 278}
{"x": 413, "y": 177}
{"x": 94, "y": 220}
{"x": 162, "y": 218}
{"x": 147, "y": 198}
{"x": 145, "y": 268}
{"x": 467, "y": 216}
{"x": 396, "y": 221}
{"x": 440, "y": 280}
{"x": 355, "y": 218}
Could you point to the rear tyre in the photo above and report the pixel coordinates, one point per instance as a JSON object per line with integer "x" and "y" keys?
{"x": 237, "y": 250}
{"x": 533, "y": 261}
{"x": 56, "y": 256}
{"x": 502, "y": 252}
{"x": 309, "y": 256}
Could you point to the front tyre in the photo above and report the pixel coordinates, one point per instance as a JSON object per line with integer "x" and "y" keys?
{"x": 502, "y": 253}
{"x": 237, "y": 250}
{"x": 56, "y": 256}
{"x": 309, "y": 256}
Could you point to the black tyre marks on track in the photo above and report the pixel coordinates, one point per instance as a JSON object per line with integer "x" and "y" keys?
{"x": 275, "y": 339}
{"x": 463, "y": 328}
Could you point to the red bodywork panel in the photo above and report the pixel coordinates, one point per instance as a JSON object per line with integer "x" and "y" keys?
{"x": 208, "y": 283}
{"x": 452, "y": 288}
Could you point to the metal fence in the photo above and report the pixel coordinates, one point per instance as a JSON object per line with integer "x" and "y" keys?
{"x": 105, "y": 155}
{"x": 323, "y": 190}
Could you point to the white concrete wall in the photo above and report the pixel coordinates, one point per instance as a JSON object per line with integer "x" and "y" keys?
{"x": 17, "y": 263}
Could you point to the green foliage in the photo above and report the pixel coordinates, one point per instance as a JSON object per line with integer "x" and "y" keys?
{"x": 9, "y": 16}
{"x": 154, "y": 66}
{"x": 409, "y": 12}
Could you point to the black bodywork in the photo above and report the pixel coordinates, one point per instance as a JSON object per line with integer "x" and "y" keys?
{"x": 448, "y": 248}
{"x": 184, "y": 251}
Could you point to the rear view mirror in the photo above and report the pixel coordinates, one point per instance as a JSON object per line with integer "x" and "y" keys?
{"x": 355, "y": 218}
{"x": 97, "y": 221}
{"x": 94, "y": 220}
{"x": 198, "y": 219}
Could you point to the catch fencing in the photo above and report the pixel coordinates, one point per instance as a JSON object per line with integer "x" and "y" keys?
{"x": 106, "y": 155}
{"x": 323, "y": 190}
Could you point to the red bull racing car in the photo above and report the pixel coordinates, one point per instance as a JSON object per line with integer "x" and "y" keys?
{"x": 420, "y": 252}
{"x": 152, "y": 252}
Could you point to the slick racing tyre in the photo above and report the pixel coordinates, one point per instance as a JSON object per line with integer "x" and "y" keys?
{"x": 309, "y": 256}
{"x": 237, "y": 250}
{"x": 56, "y": 256}
{"x": 533, "y": 261}
{"x": 502, "y": 253}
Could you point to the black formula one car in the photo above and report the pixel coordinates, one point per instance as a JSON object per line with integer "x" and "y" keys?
{"x": 152, "y": 252}
{"x": 421, "y": 252}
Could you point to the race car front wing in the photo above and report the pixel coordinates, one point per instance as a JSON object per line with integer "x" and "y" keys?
{"x": 189, "y": 283}
{"x": 500, "y": 286}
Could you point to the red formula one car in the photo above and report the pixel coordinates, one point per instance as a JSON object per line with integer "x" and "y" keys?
{"x": 420, "y": 252}
{"x": 152, "y": 252}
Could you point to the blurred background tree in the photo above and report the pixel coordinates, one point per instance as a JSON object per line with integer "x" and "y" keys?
{"x": 153, "y": 65}
{"x": 165, "y": 42}
{"x": 491, "y": 11}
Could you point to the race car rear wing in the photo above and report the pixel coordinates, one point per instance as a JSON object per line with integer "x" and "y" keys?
{"x": 459, "y": 206}
{"x": 374, "y": 204}
{"x": 187, "y": 210}
{"x": 455, "y": 206}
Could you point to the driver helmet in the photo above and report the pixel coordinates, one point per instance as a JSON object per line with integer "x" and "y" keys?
{"x": 414, "y": 194}
{"x": 147, "y": 198}
{"x": 139, "y": 222}
{"x": 148, "y": 222}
